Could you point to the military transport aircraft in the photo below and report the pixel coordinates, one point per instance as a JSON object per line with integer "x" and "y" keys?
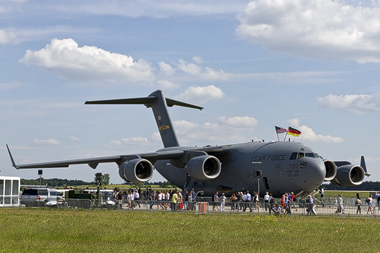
{"x": 276, "y": 167}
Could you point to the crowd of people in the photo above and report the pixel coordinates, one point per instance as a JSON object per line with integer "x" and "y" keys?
{"x": 238, "y": 201}
{"x": 162, "y": 199}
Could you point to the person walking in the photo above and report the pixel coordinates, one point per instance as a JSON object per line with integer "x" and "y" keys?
{"x": 174, "y": 201}
{"x": 340, "y": 204}
{"x": 370, "y": 201}
{"x": 311, "y": 206}
{"x": 266, "y": 201}
{"x": 359, "y": 204}
{"x": 215, "y": 201}
{"x": 222, "y": 202}
{"x": 120, "y": 199}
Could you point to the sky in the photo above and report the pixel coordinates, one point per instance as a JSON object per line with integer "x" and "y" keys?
{"x": 252, "y": 65}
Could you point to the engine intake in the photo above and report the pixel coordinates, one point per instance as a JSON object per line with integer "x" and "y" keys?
{"x": 349, "y": 175}
{"x": 331, "y": 170}
{"x": 136, "y": 170}
{"x": 204, "y": 167}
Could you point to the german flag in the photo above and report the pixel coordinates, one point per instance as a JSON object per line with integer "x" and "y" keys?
{"x": 294, "y": 132}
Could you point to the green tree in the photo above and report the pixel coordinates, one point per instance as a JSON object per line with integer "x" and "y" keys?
{"x": 106, "y": 179}
{"x": 165, "y": 184}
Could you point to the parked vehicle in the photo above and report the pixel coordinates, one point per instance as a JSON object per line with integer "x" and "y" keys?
{"x": 41, "y": 197}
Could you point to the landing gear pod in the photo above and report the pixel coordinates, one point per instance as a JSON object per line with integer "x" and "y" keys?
{"x": 204, "y": 167}
{"x": 136, "y": 170}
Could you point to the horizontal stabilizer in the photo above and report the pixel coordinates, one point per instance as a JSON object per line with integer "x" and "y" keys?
{"x": 144, "y": 101}
{"x": 171, "y": 102}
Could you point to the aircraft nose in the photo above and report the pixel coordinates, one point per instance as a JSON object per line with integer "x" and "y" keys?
{"x": 316, "y": 173}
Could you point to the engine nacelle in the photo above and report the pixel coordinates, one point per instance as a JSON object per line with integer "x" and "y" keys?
{"x": 349, "y": 175}
{"x": 136, "y": 170}
{"x": 204, "y": 167}
{"x": 331, "y": 170}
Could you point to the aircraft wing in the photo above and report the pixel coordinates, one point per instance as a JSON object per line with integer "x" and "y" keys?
{"x": 93, "y": 162}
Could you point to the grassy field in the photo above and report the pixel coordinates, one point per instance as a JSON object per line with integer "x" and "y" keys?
{"x": 65, "y": 230}
{"x": 347, "y": 194}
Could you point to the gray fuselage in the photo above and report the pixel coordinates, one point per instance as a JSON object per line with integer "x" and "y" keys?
{"x": 285, "y": 167}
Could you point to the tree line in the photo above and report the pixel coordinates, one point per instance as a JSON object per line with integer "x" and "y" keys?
{"x": 56, "y": 182}
{"x": 365, "y": 186}
{"x": 105, "y": 180}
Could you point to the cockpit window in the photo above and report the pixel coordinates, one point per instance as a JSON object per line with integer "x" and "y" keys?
{"x": 300, "y": 155}
{"x": 312, "y": 155}
{"x": 293, "y": 156}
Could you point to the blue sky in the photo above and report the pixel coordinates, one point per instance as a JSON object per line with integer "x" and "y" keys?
{"x": 312, "y": 65}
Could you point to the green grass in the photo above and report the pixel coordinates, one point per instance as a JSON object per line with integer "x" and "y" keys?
{"x": 346, "y": 194}
{"x": 65, "y": 230}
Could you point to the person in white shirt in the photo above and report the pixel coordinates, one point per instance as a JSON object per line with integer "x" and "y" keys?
{"x": 130, "y": 199}
{"x": 370, "y": 202}
{"x": 136, "y": 197}
{"x": 276, "y": 209}
{"x": 159, "y": 200}
{"x": 222, "y": 202}
{"x": 266, "y": 201}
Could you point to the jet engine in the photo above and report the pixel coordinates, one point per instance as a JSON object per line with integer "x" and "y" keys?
{"x": 204, "y": 167}
{"x": 349, "y": 175}
{"x": 136, "y": 170}
{"x": 331, "y": 170}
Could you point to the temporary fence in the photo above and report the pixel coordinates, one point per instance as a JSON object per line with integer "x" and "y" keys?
{"x": 299, "y": 207}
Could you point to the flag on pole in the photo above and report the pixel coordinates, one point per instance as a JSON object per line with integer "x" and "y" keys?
{"x": 294, "y": 132}
{"x": 280, "y": 130}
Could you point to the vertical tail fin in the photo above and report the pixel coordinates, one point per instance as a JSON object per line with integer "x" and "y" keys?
{"x": 158, "y": 103}
{"x": 363, "y": 165}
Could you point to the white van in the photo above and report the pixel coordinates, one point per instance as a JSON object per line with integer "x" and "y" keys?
{"x": 40, "y": 197}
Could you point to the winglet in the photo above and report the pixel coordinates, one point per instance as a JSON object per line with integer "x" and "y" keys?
{"x": 362, "y": 164}
{"x": 10, "y": 155}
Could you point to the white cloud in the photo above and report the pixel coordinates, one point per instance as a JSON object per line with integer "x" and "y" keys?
{"x": 189, "y": 68}
{"x": 39, "y": 107}
{"x": 294, "y": 122}
{"x": 125, "y": 143}
{"x": 135, "y": 140}
{"x": 240, "y": 122}
{"x": 7, "y": 37}
{"x": 166, "y": 69}
{"x": 327, "y": 29}
{"x": 114, "y": 145}
{"x": 73, "y": 138}
{"x": 204, "y": 73}
{"x": 352, "y": 103}
{"x": 47, "y": 141}
{"x": 67, "y": 59}
{"x": 213, "y": 133}
{"x": 197, "y": 59}
{"x": 308, "y": 134}
{"x": 201, "y": 94}
{"x": 10, "y": 86}
{"x": 9, "y": 5}
{"x": 166, "y": 85}
{"x": 156, "y": 8}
